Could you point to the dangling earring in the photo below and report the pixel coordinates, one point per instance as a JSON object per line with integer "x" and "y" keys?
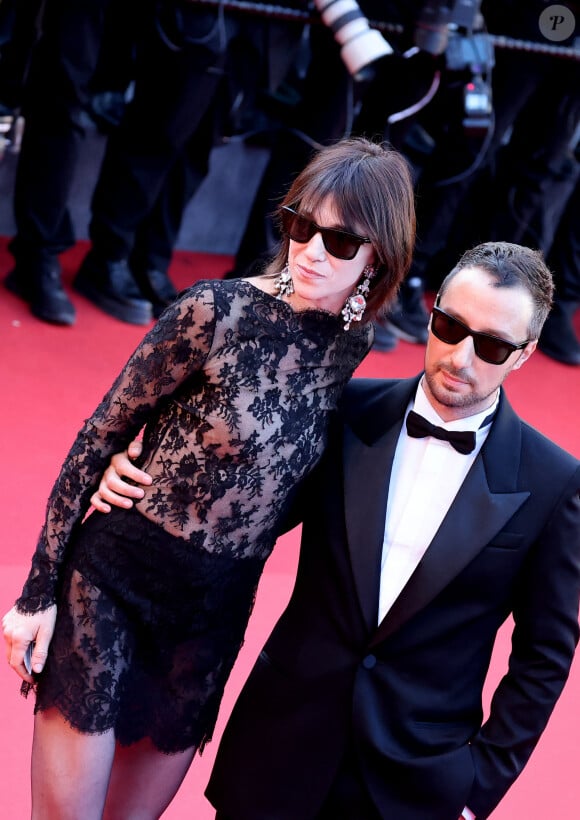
{"x": 355, "y": 305}
{"x": 284, "y": 284}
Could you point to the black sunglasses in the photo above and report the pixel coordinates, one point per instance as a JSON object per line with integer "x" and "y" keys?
{"x": 341, "y": 244}
{"x": 491, "y": 349}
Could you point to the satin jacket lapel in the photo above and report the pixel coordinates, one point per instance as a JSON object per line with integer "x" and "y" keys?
{"x": 368, "y": 451}
{"x": 484, "y": 504}
{"x": 367, "y": 474}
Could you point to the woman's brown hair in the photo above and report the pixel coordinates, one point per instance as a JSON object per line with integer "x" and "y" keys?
{"x": 371, "y": 188}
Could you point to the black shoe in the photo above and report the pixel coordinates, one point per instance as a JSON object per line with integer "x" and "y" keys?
{"x": 111, "y": 287}
{"x": 106, "y": 109}
{"x": 157, "y": 287}
{"x": 408, "y": 319}
{"x": 385, "y": 341}
{"x": 40, "y": 285}
{"x": 7, "y": 117}
{"x": 558, "y": 338}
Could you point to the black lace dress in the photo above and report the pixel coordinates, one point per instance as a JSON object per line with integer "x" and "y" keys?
{"x": 234, "y": 389}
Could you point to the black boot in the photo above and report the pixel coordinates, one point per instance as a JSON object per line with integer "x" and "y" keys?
{"x": 558, "y": 338}
{"x": 38, "y": 282}
{"x": 7, "y": 116}
{"x": 408, "y": 318}
{"x": 385, "y": 340}
{"x": 157, "y": 287}
{"x": 110, "y": 286}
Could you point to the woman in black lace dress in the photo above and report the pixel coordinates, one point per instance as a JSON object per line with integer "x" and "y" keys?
{"x": 147, "y": 607}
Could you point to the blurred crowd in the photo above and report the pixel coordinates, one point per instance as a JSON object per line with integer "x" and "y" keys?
{"x": 482, "y": 97}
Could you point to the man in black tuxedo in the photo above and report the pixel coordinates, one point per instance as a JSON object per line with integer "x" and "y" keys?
{"x": 366, "y": 701}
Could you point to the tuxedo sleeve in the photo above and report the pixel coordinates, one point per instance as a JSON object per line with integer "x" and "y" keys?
{"x": 545, "y": 636}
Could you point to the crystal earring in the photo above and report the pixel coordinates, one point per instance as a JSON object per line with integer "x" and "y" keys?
{"x": 284, "y": 284}
{"x": 356, "y": 303}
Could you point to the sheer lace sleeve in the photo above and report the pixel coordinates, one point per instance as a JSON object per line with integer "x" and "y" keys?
{"x": 177, "y": 346}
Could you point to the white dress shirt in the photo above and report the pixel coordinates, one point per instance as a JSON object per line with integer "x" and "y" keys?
{"x": 426, "y": 476}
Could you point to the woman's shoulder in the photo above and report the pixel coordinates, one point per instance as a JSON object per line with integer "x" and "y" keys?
{"x": 214, "y": 300}
{"x": 205, "y": 293}
{"x": 215, "y": 288}
{"x": 222, "y": 293}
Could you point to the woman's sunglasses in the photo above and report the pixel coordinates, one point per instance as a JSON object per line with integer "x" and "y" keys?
{"x": 491, "y": 349}
{"x": 341, "y": 244}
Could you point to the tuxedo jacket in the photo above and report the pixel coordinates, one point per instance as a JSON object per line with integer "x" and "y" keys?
{"x": 406, "y": 694}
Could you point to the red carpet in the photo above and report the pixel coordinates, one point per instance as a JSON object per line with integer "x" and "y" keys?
{"x": 52, "y": 378}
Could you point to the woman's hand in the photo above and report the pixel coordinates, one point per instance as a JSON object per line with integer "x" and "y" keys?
{"x": 21, "y": 630}
{"x": 112, "y": 489}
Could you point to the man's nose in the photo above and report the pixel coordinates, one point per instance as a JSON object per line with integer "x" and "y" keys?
{"x": 463, "y": 353}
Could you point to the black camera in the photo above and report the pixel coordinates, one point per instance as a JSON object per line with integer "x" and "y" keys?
{"x": 437, "y": 20}
{"x": 473, "y": 55}
{"x": 455, "y": 30}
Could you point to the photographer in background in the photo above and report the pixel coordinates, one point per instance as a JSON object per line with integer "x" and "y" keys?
{"x": 55, "y": 99}
{"x": 445, "y": 134}
{"x": 190, "y": 64}
{"x": 520, "y": 165}
{"x": 353, "y": 84}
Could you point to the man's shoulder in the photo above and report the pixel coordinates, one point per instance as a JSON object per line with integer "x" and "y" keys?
{"x": 514, "y": 440}
{"x": 543, "y": 451}
{"x": 540, "y": 459}
{"x": 367, "y": 392}
{"x": 370, "y": 405}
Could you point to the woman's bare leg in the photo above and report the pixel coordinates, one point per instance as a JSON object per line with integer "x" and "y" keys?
{"x": 144, "y": 781}
{"x": 70, "y": 770}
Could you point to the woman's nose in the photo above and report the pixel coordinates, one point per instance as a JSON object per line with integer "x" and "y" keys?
{"x": 315, "y": 247}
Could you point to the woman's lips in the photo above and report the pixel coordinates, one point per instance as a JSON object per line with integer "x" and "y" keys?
{"x": 308, "y": 273}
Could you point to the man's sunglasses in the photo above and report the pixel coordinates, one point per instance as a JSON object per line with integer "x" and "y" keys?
{"x": 341, "y": 244}
{"x": 491, "y": 349}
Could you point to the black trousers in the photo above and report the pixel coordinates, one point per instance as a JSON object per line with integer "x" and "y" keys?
{"x": 564, "y": 255}
{"x": 158, "y": 157}
{"x": 153, "y": 162}
{"x": 56, "y": 94}
{"x": 348, "y": 798}
{"x": 174, "y": 88}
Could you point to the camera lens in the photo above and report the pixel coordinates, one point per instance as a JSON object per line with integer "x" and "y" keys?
{"x": 360, "y": 44}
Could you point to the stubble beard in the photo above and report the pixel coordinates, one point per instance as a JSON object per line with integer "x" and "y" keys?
{"x": 448, "y": 398}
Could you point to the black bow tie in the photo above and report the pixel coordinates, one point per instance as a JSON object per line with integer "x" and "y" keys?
{"x": 462, "y": 440}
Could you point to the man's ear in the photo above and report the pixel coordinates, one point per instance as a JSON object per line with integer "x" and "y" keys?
{"x": 526, "y": 353}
